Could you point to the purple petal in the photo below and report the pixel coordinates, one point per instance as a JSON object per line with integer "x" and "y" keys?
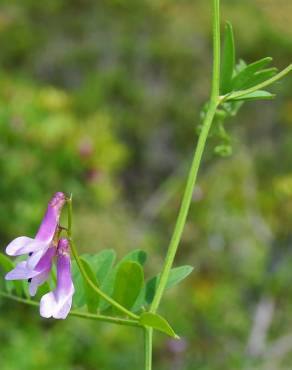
{"x": 45, "y": 262}
{"x": 50, "y": 306}
{"x": 15, "y": 247}
{"x": 51, "y": 219}
{"x": 37, "y": 281}
{"x": 35, "y": 258}
{"x": 21, "y": 272}
{"x": 43, "y": 268}
{"x": 45, "y": 234}
{"x": 58, "y": 303}
{"x": 39, "y": 274}
{"x": 33, "y": 247}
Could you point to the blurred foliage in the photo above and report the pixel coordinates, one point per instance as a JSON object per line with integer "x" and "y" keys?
{"x": 102, "y": 99}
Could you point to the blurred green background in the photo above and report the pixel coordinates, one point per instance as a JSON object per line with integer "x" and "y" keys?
{"x": 102, "y": 99}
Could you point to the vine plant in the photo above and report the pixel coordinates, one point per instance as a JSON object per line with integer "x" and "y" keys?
{"x": 117, "y": 294}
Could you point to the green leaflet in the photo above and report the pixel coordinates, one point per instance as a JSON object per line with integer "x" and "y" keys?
{"x": 79, "y": 295}
{"x": 260, "y": 77}
{"x": 176, "y": 275}
{"x": 92, "y": 298}
{"x": 136, "y": 255}
{"x": 246, "y": 75}
{"x": 228, "y": 60}
{"x": 157, "y": 322}
{"x": 256, "y": 95}
{"x": 100, "y": 264}
{"x": 128, "y": 283}
{"x": 107, "y": 286}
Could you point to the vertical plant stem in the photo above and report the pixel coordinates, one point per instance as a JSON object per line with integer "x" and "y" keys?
{"x": 69, "y": 216}
{"x": 191, "y": 181}
{"x": 216, "y": 52}
{"x": 148, "y": 335}
{"x": 192, "y": 177}
{"x": 186, "y": 202}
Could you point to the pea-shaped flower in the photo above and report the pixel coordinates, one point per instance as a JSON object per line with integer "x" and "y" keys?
{"x": 57, "y": 304}
{"x": 41, "y": 249}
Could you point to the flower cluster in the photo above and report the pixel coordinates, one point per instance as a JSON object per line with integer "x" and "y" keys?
{"x": 41, "y": 251}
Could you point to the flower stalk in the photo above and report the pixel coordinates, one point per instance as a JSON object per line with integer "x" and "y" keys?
{"x": 104, "y": 296}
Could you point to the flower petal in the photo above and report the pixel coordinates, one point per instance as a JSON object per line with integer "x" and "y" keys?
{"x": 21, "y": 272}
{"x": 15, "y": 247}
{"x": 43, "y": 268}
{"x": 35, "y": 258}
{"x": 58, "y": 303}
{"x": 51, "y": 219}
{"x": 45, "y": 263}
{"x": 48, "y": 305}
{"x": 37, "y": 281}
{"x": 64, "y": 279}
{"x": 51, "y": 306}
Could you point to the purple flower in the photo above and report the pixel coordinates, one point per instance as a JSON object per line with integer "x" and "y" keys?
{"x": 57, "y": 304}
{"x": 38, "y": 275}
{"x": 40, "y": 249}
{"x": 43, "y": 269}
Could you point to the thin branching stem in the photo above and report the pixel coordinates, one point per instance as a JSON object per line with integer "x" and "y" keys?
{"x": 270, "y": 81}
{"x": 103, "y": 295}
{"x": 84, "y": 315}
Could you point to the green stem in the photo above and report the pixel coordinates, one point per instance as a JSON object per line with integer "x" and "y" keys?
{"x": 69, "y": 216}
{"x": 192, "y": 177}
{"x": 19, "y": 299}
{"x": 260, "y": 86}
{"x": 84, "y": 315}
{"x": 84, "y": 274}
{"x": 191, "y": 181}
{"x": 216, "y": 52}
{"x": 148, "y": 335}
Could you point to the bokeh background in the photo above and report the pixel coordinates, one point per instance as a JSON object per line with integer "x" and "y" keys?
{"x": 102, "y": 99}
